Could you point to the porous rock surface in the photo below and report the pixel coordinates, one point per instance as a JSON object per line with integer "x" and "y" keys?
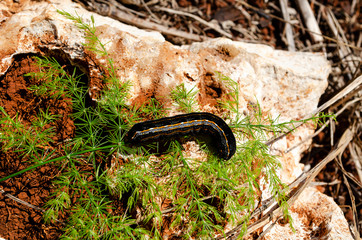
{"x": 285, "y": 84}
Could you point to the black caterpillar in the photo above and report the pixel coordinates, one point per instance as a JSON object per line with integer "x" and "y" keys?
{"x": 186, "y": 124}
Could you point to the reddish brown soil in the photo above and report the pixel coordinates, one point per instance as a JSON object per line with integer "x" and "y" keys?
{"x": 18, "y": 221}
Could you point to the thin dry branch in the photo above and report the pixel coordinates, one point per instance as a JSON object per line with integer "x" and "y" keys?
{"x": 349, "y": 175}
{"x": 351, "y": 195}
{"x": 116, "y": 11}
{"x": 357, "y": 83}
{"x": 25, "y": 203}
{"x": 350, "y": 87}
{"x": 202, "y": 21}
{"x": 20, "y": 201}
{"x": 304, "y": 181}
{"x": 245, "y": 4}
{"x": 344, "y": 51}
{"x": 288, "y": 27}
{"x": 310, "y": 21}
{"x": 345, "y": 106}
{"x": 356, "y": 156}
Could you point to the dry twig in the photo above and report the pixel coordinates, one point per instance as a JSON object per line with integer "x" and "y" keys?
{"x": 20, "y": 201}
{"x": 310, "y": 21}
{"x": 300, "y": 26}
{"x": 288, "y": 27}
{"x": 353, "y": 202}
{"x": 202, "y": 21}
{"x": 114, "y": 10}
{"x": 350, "y": 87}
{"x": 344, "y": 51}
{"x": 356, "y": 156}
{"x": 348, "y": 104}
{"x": 304, "y": 181}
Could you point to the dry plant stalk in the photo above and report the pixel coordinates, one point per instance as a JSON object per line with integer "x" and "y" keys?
{"x": 116, "y": 11}
{"x": 288, "y": 27}
{"x": 275, "y": 212}
{"x": 310, "y": 21}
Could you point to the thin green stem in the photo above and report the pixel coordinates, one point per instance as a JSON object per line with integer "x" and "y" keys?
{"x": 55, "y": 160}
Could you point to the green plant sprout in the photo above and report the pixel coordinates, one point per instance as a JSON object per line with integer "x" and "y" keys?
{"x": 164, "y": 190}
{"x": 27, "y": 141}
{"x": 184, "y": 99}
